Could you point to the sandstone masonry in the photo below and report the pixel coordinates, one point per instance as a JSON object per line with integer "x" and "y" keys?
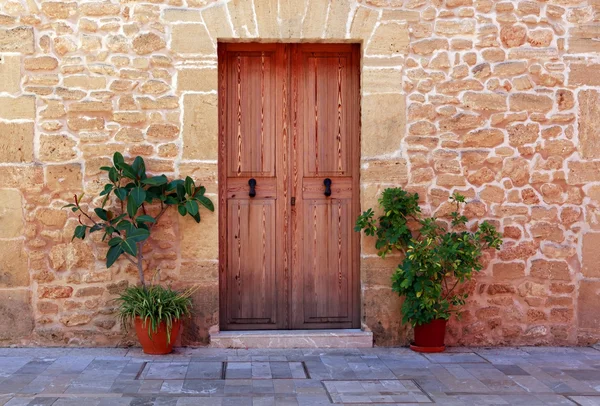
{"x": 499, "y": 100}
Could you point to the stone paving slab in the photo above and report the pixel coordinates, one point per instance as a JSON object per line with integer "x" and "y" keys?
{"x": 209, "y": 376}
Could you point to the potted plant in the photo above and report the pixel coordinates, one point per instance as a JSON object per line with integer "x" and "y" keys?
{"x": 438, "y": 256}
{"x": 132, "y": 203}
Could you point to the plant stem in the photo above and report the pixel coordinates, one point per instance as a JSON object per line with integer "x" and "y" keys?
{"x": 140, "y": 264}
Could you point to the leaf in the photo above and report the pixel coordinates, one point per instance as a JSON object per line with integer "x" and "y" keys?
{"x": 103, "y": 214}
{"x": 200, "y": 191}
{"x": 79, "y": 232}
{"x": 171, "y": 200}
{"x": 68, "y": 205}
{"x": 138, "y": 166}
{"x": 96, "y": 227}
{"x": 155, "y": 181}
{"x": 113, "y": 175}
{"x": 105, "y": 168}
{"x": 206, "y": 202}
{"x": 126, "y": 226}
{"x": 197, "y": 217}
{"x": 128, "y": 171}
{"x": 192, "y": 207}
{"x": 121, "y": 193}
{"x": 138, "y": 235}
{"x": 112, "y": 255}
{"x": 180, "y": 191}
{"x": 118, "y": 158}
{"x": 132, "y": 207}
{"x": 145, "y": 219}
{"x": 173, "y": 184}
{"x": 139, "y": 195}
{"x": 114, "y": 241}
{"x": 129, "y": 246}
{"x": 189, "y": 186}
{"x": 107, "y": 189}
{"x": 182, "y": 210}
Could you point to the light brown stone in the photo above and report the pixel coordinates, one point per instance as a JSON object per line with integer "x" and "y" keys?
{"x": 10, "y": 73}
{"x": 41, "y": 63}
{"x": 590, "y": 266}
{"x": 485, "y": 101}
{"x": 14, "y": 271}
{"x": 429, "y": 46}
{"x": 64, "y": 177}
{"x": 11, "y": 213}
{"x": 385, "y": 171}
{"x": 521, "y": 134}
{"x": 508, "y": 270}
{"x": 588, "y": 302}
{"x": 553, "y": 270}
{"x": 16, "y": 315}
{"x": 382, "y": 129}
{"x": 19, "y": 39}
{"x": 16, "y": 142}
{"x": 199, "y": 80}
{"x": 389, "y": 39}
{"x": 530, "y": 102}
{"x": 242, "y": 17}
{"x": 200, "y": 126}
{"x": 589, "y": 131}
{"x": 513, "y": 35}
{"x": 17, "y": 108}
{"x": 163, "y": 131}
{"x": 57, "y": 148}
{"x": 582, "y": 172}
{"x": 147, "y": 43}
{"x": 180, "y": 39}
{"x": 582, "y": 74}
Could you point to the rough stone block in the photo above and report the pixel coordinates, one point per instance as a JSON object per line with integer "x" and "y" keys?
{"x": 588, "y": 304}
{"x": 13, "y": 264}
{"x": 530, "y": 102}
{"x": 389, "y": 39}
{"x": 57, "y": 148}
{"x": 589, "y": 130}
{"x": 363, "y": 22}
{"x": 582, "y": 74}
{"x": 383, "y": 123}
{"x": 381, "y": 81}
{"x": 392, "y": 171}
{"x": 181, "y": 43}
{"x": 200, "y": 241}
{"x": 582, "y": 172}
{"x": 217, "y": 22}
{"x": 10, "y": 73}
{"x": 16, "y": 142}
{"x": 337, "y": 19}
{"x": 242, "y": 18}
{"x": 64, "y": 177}
{"x": 11, "y": 213}
{"x": 197, "y": 79}
{"x": 17, "y": 108}
{"x": 16, "y": 315}
{"x": 590, "y": 266}
{"x": 200, "y": 126}
{"x": 266, "y": 18}
{"x": 19, "y": 39}
{"x": 314, "y": 21}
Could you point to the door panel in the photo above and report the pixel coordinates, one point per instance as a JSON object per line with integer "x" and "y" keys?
{"x": 325, "y": 255}
{"x": 252, "y": 268}
{"x": 288, "y": 120}
{"x": 251, "y": 261}
{"x": 326, "y": 283}
{"x": 251, "y": 104}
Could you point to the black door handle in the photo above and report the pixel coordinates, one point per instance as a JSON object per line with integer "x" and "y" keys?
{"x": 252, "y": 184}
{"x": 327, "y": 183}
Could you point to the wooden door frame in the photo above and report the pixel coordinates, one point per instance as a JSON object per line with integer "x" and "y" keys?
{"x": 286, "y": 157}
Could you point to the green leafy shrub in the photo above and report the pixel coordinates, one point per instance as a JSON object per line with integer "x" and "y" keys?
{"x": 438, "y": 257}
{"x": 127, "y": 227}
{"x": 132, "y": 205}
{"x": 154, "y": 304}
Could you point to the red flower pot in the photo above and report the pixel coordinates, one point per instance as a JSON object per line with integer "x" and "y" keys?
{"x": 430, "y": 337}
{"x": 156, "y": 343}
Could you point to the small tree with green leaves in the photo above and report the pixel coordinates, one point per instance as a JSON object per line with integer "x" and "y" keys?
{"x": 438, "y": 258}
{"x": 125, "y": 217}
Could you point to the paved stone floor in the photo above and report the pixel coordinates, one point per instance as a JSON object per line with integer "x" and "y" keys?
{"x": 208, "y": 376}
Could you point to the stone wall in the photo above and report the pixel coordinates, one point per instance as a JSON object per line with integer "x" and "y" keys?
{"x": 497, "y": 99}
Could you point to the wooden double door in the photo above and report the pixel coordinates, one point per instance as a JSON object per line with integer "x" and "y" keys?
{"x": 288, "y": 186}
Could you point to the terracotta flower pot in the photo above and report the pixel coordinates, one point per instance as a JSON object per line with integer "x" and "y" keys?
{"x": 430, "y": 337}
{"x": 156, "y": 343}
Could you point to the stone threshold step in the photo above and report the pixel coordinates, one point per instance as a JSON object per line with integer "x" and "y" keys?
{"x": 342, "y": 338}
